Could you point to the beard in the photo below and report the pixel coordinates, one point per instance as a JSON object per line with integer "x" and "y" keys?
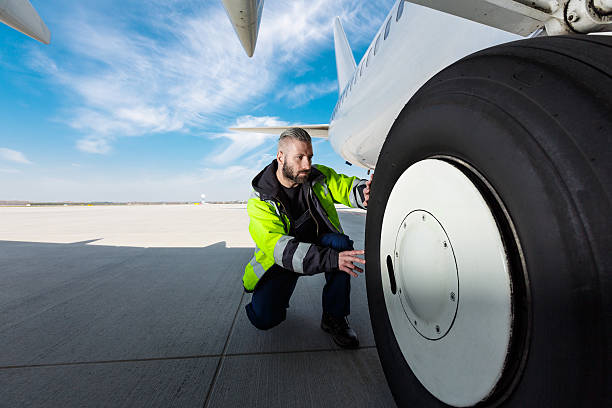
{"x": 293, "y": 175}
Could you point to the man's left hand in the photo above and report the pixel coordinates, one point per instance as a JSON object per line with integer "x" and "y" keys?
{"x": 366, "y": 191}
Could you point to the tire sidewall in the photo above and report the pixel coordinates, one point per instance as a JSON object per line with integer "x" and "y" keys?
{"x": 503, "y": 147}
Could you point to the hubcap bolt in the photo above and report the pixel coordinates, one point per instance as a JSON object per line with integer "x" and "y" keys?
{"x": 452, "y": 296}
{"x": 437, "y": 329}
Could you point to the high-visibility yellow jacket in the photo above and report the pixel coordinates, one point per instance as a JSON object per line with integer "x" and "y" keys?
{"x": 270, "y": 223}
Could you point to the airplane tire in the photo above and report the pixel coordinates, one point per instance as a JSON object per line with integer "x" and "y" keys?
{"x": 491, "y": 208}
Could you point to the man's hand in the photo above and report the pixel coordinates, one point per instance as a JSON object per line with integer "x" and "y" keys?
{"x": 366, "y": 191}
{"x": 347, "y": 259}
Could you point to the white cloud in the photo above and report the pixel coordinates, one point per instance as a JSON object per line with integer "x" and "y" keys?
{"x": 10, "y": 171}
{"x": 243, "y": 142}
{"x": 94, "y": 144}
{"x": 191, "y": 72}
{"x": 301, "y": 94}
{"x": 13, "y": 156}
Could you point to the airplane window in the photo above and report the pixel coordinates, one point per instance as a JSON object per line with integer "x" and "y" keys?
{"x": 369, "y": 56}
{"x": 387, "y": 28}
{"x": 376, "y": 45}
{"x": 361, "y": 70}
{"x": 400, "y": 10}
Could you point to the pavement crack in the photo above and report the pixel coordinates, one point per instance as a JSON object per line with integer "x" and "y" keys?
{"x": 223, "y": 354}
{"x": 322, "y": 350}
{"x": 132, "y": 360}
{"x": 138, "y": 360}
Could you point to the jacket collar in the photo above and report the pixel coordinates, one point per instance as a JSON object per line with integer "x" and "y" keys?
{"x": 267, "y": 185}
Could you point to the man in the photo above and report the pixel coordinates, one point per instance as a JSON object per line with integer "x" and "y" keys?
{"x": 297, "y": 231}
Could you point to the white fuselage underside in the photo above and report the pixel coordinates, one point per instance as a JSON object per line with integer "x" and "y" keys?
{"x": 419, "y": 45}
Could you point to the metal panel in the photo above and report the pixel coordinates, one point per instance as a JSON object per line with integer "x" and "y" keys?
{"x": 507, "y": 15}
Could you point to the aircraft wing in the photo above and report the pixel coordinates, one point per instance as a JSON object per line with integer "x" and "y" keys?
{"x": 20, "y": 15}
{"x": 318, "y": 131}
{"x": 245, "y": 16}
{"x": 515, "y": 16}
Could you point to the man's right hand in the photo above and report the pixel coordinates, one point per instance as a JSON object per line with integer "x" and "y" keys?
{"x": 347, "y": 260}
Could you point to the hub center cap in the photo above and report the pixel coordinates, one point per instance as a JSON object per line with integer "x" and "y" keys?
{"x": 427, "y": 274}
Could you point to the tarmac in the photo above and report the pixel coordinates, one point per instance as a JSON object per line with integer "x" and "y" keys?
{"x": 143, "y": 306}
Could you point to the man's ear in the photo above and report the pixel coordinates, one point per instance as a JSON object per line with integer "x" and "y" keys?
{"x": 280, "y": 157}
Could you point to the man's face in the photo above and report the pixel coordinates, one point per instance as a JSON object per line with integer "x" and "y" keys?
{"x": 296, "y": 159}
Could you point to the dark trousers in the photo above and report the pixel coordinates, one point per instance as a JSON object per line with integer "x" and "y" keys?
{"x": 270, "y": 300}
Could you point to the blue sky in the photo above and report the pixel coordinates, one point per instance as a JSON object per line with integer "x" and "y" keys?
{"x": 132, "y": 99}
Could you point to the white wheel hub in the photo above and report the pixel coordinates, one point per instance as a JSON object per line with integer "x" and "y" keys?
{"x": 422, "y": 248}
{"x": 450, "y": 305}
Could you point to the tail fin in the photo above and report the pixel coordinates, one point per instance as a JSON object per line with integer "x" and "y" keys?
{"x": 345, "y": 62}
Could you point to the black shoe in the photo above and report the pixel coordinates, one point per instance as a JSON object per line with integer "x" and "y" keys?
{"x": 340, "y": 330}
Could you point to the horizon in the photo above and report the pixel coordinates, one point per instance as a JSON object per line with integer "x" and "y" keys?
{"x": 131, "y": 101}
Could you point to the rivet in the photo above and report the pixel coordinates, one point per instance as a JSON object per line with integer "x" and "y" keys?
{"x": 415, "y": 322}
{"x": 423, "y": 218}
{"x": 452, "y": 296}
{"x": 445, "y": 244}
{"x": 437, "y": 328}
{"x": 396, "y": 254}
{"x": 404, "y": 225}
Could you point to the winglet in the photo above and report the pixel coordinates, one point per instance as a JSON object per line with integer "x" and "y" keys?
{"x": 20, "y": 15}
{"x": 345, "y": 62}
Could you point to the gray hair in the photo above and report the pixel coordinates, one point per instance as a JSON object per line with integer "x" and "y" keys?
{"x": 295, "y": 134}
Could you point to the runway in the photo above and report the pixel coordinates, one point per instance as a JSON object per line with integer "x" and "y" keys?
{"x": 142, "y": 306}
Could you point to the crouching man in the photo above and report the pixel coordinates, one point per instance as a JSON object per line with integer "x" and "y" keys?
{"x": 297, "y": 231}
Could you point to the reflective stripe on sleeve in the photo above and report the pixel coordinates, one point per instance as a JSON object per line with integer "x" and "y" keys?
{"x": 298, "y": 257}
{"x": 354, "y": 196}
{"x": 279, "y": 249}
{"x": 257, "y": 267}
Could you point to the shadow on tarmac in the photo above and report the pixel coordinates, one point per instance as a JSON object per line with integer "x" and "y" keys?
{"x": 92, "y": 325}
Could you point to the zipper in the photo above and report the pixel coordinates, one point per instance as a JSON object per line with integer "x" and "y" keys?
{"x": 324, "y": 215}
{"x": 310, "y": 211}
{"x": 291, "y": 222}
